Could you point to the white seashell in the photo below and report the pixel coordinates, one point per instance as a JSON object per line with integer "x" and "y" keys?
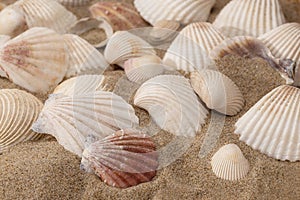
{"x": 172, "y": 103}
{"x": 184, "y": 11}
{"x": 74, "y": 3}
{"x": 83, "y": 56}
{"x": 164, "y": 31}
{"x": 272, "y": 125}
{"x": 249, "y": 17}
{"x": 70, "y": 119}
{"x": 217, "y": 91}
{"x": 18, "y": 110}
{"x": 35, "y": 60}
{"x": 124, "y": 45}
{"x": 143, "y": 68}
{"x": 229, "y": 163}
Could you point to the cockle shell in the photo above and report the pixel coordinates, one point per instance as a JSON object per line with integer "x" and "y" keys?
{"x": 121, "y": 16}
{"x": 74, "y": 3}
{"x": 124, "y": 45}
{"x": 164, "y": 31}
{"x": 184, "y": 11}
{"x": 143, "y": 68}
{"x": 217, "y": 91}
{"x": 172, "y": 103}
{"x": 122, "y": 160}
{"x": 249, "y": 17}
{"x": 229, "y": 163}
{"x": 35, "y": 60}
{"x": 70, "y": 119}
{"x": 272, "y": 125}
{"x": 18, "y": 110}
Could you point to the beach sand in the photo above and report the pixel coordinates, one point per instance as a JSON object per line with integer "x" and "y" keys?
{"x": 45, "y": 170}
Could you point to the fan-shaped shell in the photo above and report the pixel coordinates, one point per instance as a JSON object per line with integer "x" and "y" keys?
{"x": 164, "y": 31}
{"x": 74, "y": 3}
{"x": 70, "y": 119}
{"x": 217, "y": 91}
{"x": 172, "y": 103}
{"x": 249, "y": 17}
{"x": 18, "y": 110}
{"x": 35, "y": 60}
{"x": 184, "y": 11}
{"x": 229, "y": 163}
{"x": 272, "y": 125}
{"x": 122, "y": 160}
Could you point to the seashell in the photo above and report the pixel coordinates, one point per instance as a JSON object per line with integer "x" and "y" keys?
{"x": 217, "y": 91}
{"x": 143, "y": 68}
{"x": 19, "y": 110}
{"x": 83, "y": 56}
{"x": 74, "y": 3}
{"x": 35, "y": 60}
{"x": 272, "y": 125}
{"x": 229, "y": 163}
{"x": 122, "y": 160}
{"x": 164, "y": 31}
{"x": 172, "y": 103}
{"x": 122, "y": 16}
{"x": 70, "y": 119}
{"x": 184, "y": 11}
{"x": 190, "y": 49}
{"x": 2, "y": 5}
{"x": 124, "y": 45}
{"x": 249, "y": 17}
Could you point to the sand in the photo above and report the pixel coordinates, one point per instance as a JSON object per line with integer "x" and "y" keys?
{"x": 45, "y": 170}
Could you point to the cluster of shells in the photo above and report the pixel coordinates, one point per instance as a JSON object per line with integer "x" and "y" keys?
{"x": 40, "y": 47}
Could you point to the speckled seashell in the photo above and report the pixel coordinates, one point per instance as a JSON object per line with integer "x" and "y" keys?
{"x": 74, "y": 3}
{"x": 184, "y": 11}
{"x": 35, "y": 60}
{"x": 18, "y": 110}
{"x": 164, "y": 31}
{"x": 272, "y": 125}
{"x": 172, "y": 104}
{"x": 229, "y": 163}
{"x": 217, "y": 91}
{"x": 70, "y": 119}
{"x": 122, "y": 16}
{"x": 249, "y": 17}
{"x": 122, "y": 160}
{"x": 143, "y": 68}
{"x": 124, "y": 45}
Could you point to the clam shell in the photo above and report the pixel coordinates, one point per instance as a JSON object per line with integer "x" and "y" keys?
{"x": 229, "y": 163}
{"x": 122, "y": 160}
{"x": 164, "y": 31}
{"x": 217, "y": 91}
{"x": 124, "y": 45}
{"x": 143, "y": 68}
{"x": 19, "y": 110}
{"x": 70, "y": 119}
{"x": 184, "y": 11}
{"x": 35, "y": 60}
{"x": 249, "y": 17}
{"x": 272, "y": 125}
{"x": 172, "y": 103}
{"x": 74, "y": 3}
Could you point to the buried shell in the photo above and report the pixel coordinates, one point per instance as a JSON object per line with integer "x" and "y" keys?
{"x": 217, "y": 91}
{"x": 249, "y": 17}
{"x": 74, "y": 3}
{"x": 18, "y": 110}
{"x": 122, "y": 160}
{"x": 164, "y": 31}
{"x": 229, "y": 163}
{"x": 272, "y": 125}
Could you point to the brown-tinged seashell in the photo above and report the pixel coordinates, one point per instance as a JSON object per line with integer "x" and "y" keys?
{"x": 122, "y": 160}
{"x": 164, "y": 31}
{"x": 74, "y": 3}
{"x": 2, "y": 5}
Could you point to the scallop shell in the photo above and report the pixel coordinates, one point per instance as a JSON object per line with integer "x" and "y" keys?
{"x": 83, "y": 56}
{"x": 249, "y": 17}
{"x": 272, "y": 125}
{"x": 184, "y": 11}
{"x": 122, "y": 160}
{"x": 35, "y": 60}
{"x": 124, "y": 45}
{"x": 229, "y": 163}
{"x": 122, "y": 16}
{"x": 172, "y": 103}
{"x": 143, "y": 68}
{"x": 70, "y": 119}
{"x": 74, "y": 3}
{"x": 164, "y": 31}
{"x": 217, "y": 91}
{"x": 19, "y": 110}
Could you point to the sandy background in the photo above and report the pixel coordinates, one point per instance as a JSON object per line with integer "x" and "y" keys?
{"x": 44, "y": 170}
